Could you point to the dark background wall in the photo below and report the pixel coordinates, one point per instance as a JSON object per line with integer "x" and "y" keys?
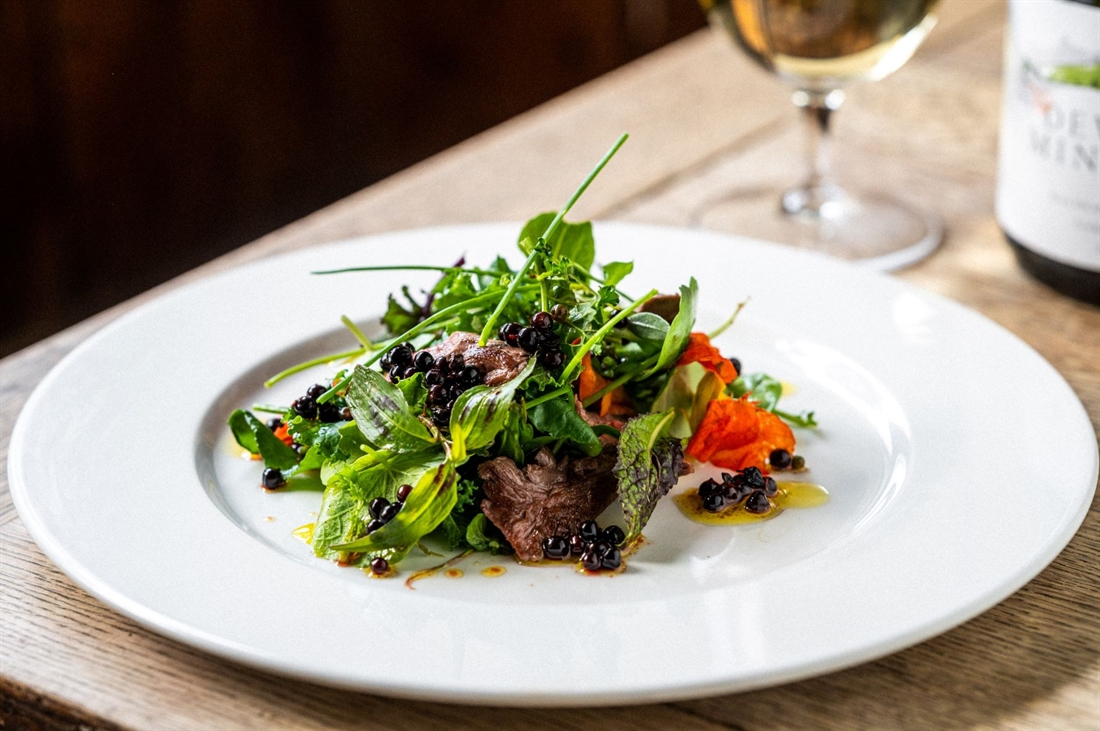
{"x": 139, "y": 138}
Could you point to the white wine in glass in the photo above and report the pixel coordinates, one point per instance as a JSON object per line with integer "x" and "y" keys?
{"x": 819, "y": 47}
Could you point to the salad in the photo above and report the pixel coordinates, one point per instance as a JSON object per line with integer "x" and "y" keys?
{"x": 507, "y": 408}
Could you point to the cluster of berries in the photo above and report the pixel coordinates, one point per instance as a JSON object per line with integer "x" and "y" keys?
{"x": 538, "y": 338}
{"x": 446, "y": 378}
{"x": 329, "y": 412}
{"x": 749, "y": 486}
{"x": 597, "y": 549}
{"x": 382, "y": 511}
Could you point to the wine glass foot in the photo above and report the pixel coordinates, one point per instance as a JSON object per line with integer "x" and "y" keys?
{"x": 871, "y": 230}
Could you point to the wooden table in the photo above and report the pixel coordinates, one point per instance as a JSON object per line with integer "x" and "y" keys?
{"x": 702, "y": 120}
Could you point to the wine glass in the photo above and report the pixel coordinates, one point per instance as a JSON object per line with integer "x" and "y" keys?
{"x": 819, "y": 47}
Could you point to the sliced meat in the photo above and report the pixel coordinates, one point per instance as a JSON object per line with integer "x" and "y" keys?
{"x": 498, "y": 361}
{"x": 593, "y": 419}
{"x": 664, "y": 306}
{"x": 546, "y": 497}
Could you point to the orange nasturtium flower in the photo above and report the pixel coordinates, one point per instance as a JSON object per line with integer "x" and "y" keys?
{"x": 699, "y": 350}
{"x": 737, "y": 433}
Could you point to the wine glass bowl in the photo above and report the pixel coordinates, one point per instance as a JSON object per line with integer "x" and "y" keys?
{"x": 819, "y": 47}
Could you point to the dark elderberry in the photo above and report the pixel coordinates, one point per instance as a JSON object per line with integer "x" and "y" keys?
{"x": 589, "y": 531}
{"x": 542, "y": 321}
{"x": 555, "y": 547}
{"x": 614, "y": 535}
{"x": 305, "y": 407}
{"x": 387, "y": 361}
{"x": 552, "y": 359}
{"x": 441, "y": 416}
{"x": 374, "y": 525}
{"x": 395, "y": 373}
{"x": 770, "y": 487}
{"x": 423, "y": 361}
{"x": 736, "y": 365}
{"x": 408, "y": 371}
{"x": 757, "y": 503}
{"x": 272, "y": 479}
{"x": 590, "y": 561}
{"x": 437, "y": 395}
{"x": 529, "y": 339}
{"x": 274, "y": 423}
{"x": 577, "y": 545}
{"x": 401, "y": 354}
{"x": 509, "y": 332}
{"x": 433, "y": 377}
{"x": 734, "y": 492}
{"x": 560, "y": 313}
{"x": 753, "y": 478}
{"x": 601, "y": 548}
{"x": 612, "y": 560}
{"x": 470, "y": 376}
{"x": 458, "y": 362}
{"x": 403, "y": 492}
{"x": 714, "y": 502}
{"x": 389, "y": 512}
{"x": 379, "y": 566}
{"x": 315, "y": 391}
{"x": 329, "y": 413}
{"x": 780, "y": 459}
{"x": 709, "y": 487}
{"x": 377, "y": 506}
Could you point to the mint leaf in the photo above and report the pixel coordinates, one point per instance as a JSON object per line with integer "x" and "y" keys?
{"x": 647, "y": 468}
{"x": 382, "y": 413}
{"x": 479, "y": 414}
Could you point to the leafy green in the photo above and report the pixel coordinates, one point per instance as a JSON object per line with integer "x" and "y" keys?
{"x": 647, "y": 468}
{"x": 559, "y": 419}
{"x": 764, "y": 389}
{"x": 398, "y": 319}
{"x": 432, "y": 499}
{"x": 648, "y": 326}
{"x": 478, "y": 539}
{"x": 767, "y": 391}
{"x": 616, "y": 271}
{"x": 338, "y": 520}
{"x": 479, "y": 414}
{"x": 414, "y": 391}
{"x": 680, "y": 329}
{"x": 382, "y": 413}
{"x": 572, "y": 241}
{"x": 257, "y": 438}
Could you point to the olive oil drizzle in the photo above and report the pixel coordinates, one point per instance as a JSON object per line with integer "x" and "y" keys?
{"x": 796, "y": 495}
{"x": 417, "y": 576}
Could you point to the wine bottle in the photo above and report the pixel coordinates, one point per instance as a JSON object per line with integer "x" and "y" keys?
{"x": 1048, "y": 181}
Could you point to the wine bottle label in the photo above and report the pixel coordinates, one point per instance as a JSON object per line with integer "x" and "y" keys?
{"x": 1048, "y": 185}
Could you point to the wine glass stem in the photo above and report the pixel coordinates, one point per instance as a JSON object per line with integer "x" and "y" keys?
{"x": 818, "y": 194}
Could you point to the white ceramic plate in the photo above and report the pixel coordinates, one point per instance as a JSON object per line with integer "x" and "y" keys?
{"x": 939, "y": 431}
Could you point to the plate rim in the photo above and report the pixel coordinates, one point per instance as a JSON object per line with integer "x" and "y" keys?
{"x": 161, "y": 624}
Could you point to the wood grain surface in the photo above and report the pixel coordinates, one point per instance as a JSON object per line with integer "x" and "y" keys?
{"x": 704, "y": 122}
